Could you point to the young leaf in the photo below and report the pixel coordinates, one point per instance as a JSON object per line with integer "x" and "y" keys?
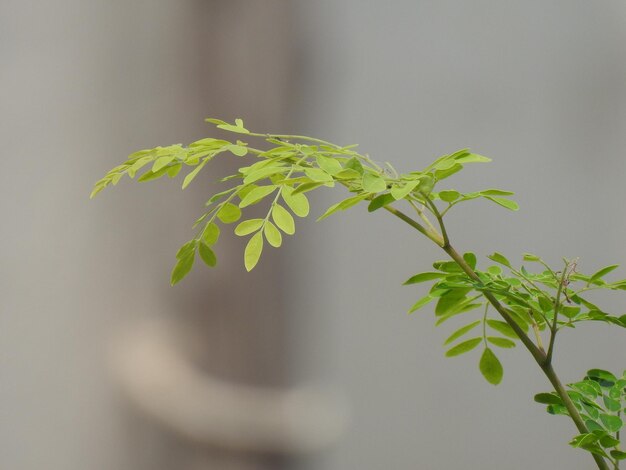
{"x": 611, "y": 423}
{"x": 449, "y": 196}
{"x": 283, "y": 219}
{"x": 187, "y": 249}
{"x": 298, "y": 203}
{"x": 256, "y": 194}
{"x": 618, "y": 455}
{"x": 490, "y": 367}
{"x": 189, "y": 178}
{"x": 253, "y": 251}
{"x": 421, "y": 302}
{"x": 229, "y": 213}
{"x": 460, "y": 332}
{"x": 423, "y": 277}
{"x": 248, "y": 226}
{"x": 318, "y": 175}
{"x": 463, "y": 347}
{"x": 501, "y": 342}
{"x": 182, "y": 267}
{"x": 355, "y": 164}
{"x": 470, "y": 258}
{"x": 207, "y": 255}
{"x": 603, "y": 272}
{"x": 502, "y": 327}
{"x": 508, "y": 203}
{"x": 498, "y": 258}
{"x": 548, "y": 399}
{"x": 373, "y": 183}
{"x": 343, "y": 205}
{"x": 380, "y": 201}
{"x": 162, "y": 162}
{"x": 496, "y": 192}
{"x": 400, "y": 192}
{"x": 173, "y": 170}
{"x": 272, "y": 234}
{"x": 329, "y": 165}
{"x": 211, "y": 234}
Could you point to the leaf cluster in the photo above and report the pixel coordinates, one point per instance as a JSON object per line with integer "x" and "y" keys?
{"x": 280, "y": 176}
{"x": 600, "y": 398}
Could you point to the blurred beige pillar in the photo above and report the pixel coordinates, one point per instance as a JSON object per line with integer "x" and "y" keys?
{"x": 81, "y": 85}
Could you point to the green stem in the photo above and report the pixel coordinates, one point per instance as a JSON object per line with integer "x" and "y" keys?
{"x": 557, "y": 305}
{"x": 538, "y": 354}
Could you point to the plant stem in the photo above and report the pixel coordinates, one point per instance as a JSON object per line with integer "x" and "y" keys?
{"x": 538, "y": 354}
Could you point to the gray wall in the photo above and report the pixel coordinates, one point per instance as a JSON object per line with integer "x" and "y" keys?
{"x": 538, "y": 86}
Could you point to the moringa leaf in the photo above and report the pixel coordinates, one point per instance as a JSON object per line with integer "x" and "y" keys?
{"x": 490, "y": 367}
{"x": 253, "y": 251}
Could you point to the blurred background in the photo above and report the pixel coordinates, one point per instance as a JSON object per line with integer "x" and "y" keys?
{"x": 309, "y": 362}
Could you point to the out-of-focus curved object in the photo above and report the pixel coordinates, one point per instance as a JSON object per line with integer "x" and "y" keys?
{"x": 162, "y": 383}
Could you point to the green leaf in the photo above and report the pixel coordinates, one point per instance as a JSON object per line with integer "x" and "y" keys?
{"x": 423, "y": 277}
{"x": 229, "y": 213}
{"x": 608, "y": 441}
{"x": 318, "y": 175}
{"x": 283, "y": 219}
{"x": 420, "y": 303}
{"x": 502, "y": 327}
{"x": 498, "y": 258}
{"x": 237, "y": 150}
{"x": 501, "y": 342}
{"x": 460, "y": 332}
{"x": 447, "y": 266}
{"x": 471, "y": 158}
{"x": 618, "y": 454}
{"x": 347, "y": 174}
{"x": 448, "y": 302}
{"x": 463, "y": 347}
{"x": 211, "y": 234}
{"x": 173, "y": 170}
{"x": 187, "y": 249}
{"x": 496, "y": 192}
{"x": 304, "y": 187}
{"x": 605, "y": 378}
{"x": 162, "y": 162}
{"x": 253, "y": 250}
{"x": 189, "y": 178}
{"x": 298, "y": 203}
{"x": 531, "y": 257}
{"x": 329, "y": 165}
{"x": 490, "y": 367}
{"x": 182, "y": 267}
{"x": 272, "y": 234}
{"x": 611, "y": 404}
{"x": 207, "y": 255}
{"x": 256, "y": 194}
{"x": 355, "y": 164}
{"x": 449, "y": 196}
{"x": 343, "y": 205}
{"x": 152, "y": 175}
{"x": 470, "y": 258}
{"x": 548, "y": 399}
{"x": 373, "y": 183}
{"x": 611, "y": 423}
{"x": 238, "y": 127}
{"x": 380, "y": 201}
{"x": 262, "y": 173}
{"x": 603, "y": 272}
{"x": 248, "y": 226}
{"x": 509, "y": 204}
{"x": 400, "y": 192}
